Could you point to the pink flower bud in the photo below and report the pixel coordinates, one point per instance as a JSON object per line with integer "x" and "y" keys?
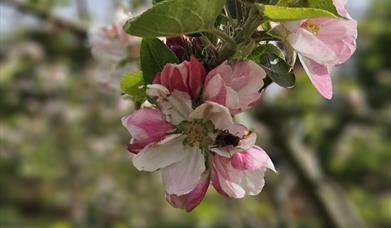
{"x": 187, "y": 76}
{"x": 235, "y": 86}
{"x": 146, "y": 126}
{"x": 242, "y": 174}
{"x": 177, "y": 45}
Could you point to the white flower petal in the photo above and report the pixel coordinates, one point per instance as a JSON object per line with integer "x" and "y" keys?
{"x": 178, "y": 107}
{"x": 253, "y": 181}
{"x": 156, "y": 90}
{"x": 162, "y": 154}
{"x": 182, "y": 177}
{"x": 217, "y": 113}
{"x": 222, "y": 151}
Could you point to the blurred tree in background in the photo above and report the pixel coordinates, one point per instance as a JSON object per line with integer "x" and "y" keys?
{"x": 63, "y": 160}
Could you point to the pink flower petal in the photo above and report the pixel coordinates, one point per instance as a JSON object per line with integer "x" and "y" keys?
{"x": 182, "y": 177}
{"x": 238, "y": 129}
{"x": 234, "y": 86}
{"x": 319, "y": 76}
{"x": 216, "y": 183}
{"x": 146, "y": 126}
{"x": 340, "y": 36}
{"x": 193, "y": 199}
{"x": 187, "y": 77}
{"x": 215, "y": 90}
{"x": 225, "y": 180}
{"x": 237, "y": 183}
{"x": 251, "y": 159}
{"x": 196, "y": 76}
{"x": 310, "y": 46}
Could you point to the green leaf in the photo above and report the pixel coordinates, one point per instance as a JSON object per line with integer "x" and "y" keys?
{"x": 133, "y": 85}
{"x": 176, "y": 17}
{"x": 278, "y": 70}
{"x": 272, "y": 59}
{"x": 263, "y": 49}
{"x": 327, "y": 5}
{"x": 282, "y": 13}
{"x": 156, "y": 1}
{"x": 154, "y": 55}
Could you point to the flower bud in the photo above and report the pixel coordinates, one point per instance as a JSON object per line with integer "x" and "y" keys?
{"x": 235, "y": 86}
{"x": 187, "y": 76}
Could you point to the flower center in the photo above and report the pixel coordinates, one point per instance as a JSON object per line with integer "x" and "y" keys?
{"x": 312, "y": 26}
{"x": 197, "y": 132}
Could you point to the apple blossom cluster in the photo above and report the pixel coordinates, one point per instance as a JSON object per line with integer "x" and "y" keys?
{"x": 202, "y": 62}
{"x": 190, "y": 136}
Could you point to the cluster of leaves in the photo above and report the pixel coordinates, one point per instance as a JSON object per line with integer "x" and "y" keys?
{"x": 232, "y": 30}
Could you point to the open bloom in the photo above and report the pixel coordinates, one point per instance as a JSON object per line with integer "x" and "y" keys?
{"x": 323, "y": 42}
{"x": 179, "y": 155}
{"x": 110, "y": 43}
{"x": 110, "y": 47}
{"x": 235, "y": 86}
{"x": 187, "y": 76}
{"x": 197, "y": 145}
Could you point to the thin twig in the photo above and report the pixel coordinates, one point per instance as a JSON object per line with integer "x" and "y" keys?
{"x": 47, "y": 16}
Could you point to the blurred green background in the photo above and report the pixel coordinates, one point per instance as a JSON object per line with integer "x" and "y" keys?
{"x": 64, "y": 163}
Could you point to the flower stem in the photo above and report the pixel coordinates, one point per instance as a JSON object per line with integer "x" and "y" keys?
{"x": 225, "y": 37}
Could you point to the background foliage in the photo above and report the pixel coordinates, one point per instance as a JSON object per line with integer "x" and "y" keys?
{"x": 63, "y": 160}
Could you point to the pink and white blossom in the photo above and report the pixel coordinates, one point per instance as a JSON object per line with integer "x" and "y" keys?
{"x": 181, "y": 164}
{"x": 110, "y": 46}
{"x": 111, "y": 43}
{"x": 187, "y": 77}
{"x": 235, "y": 86}
{"x": 321, "y": 43}
{"x": 179, "y": 137}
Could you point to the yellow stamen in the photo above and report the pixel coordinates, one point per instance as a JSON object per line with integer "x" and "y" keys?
{"x": 197, "y": 132}
{"x": 312, "y": 26}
